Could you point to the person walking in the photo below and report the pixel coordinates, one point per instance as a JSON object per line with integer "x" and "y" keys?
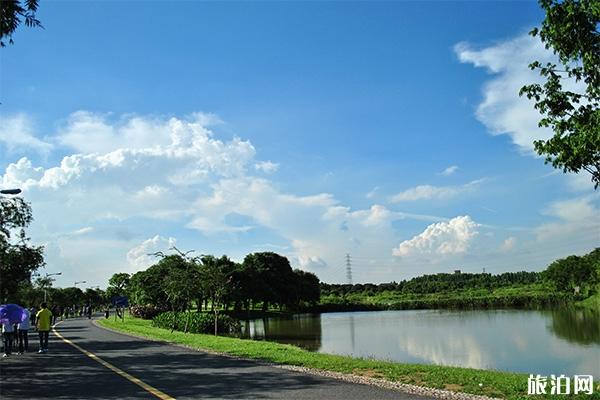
{"x": 54, "y": 311}
{"x": 7, "y": 333}
{"x": 23, "y": 332}
{"x": 44, "y": 319}
{"x": 32, "y": 312}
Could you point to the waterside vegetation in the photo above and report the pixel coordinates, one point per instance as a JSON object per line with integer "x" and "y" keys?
{"x": 571, "y": 280}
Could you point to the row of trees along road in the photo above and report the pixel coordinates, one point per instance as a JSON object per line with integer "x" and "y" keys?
{"x": 18, "y": 258}
{"x": 35, "y": 294}
{"x": 178, "y": 282}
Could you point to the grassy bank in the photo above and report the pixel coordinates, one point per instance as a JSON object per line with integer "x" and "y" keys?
{"x": 592, "y": 302}
{"x": 489, "y": 383}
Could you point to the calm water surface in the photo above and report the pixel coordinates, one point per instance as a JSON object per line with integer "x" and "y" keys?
{"x": 564, "y": 341}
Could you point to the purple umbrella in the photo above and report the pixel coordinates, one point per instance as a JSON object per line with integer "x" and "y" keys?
{"x": 12, "y": 314}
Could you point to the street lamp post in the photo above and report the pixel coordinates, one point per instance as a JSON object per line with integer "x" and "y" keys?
{"x": 10, "y": 191}
{"x": 45, "y": 289}
{"x": 47, "y": 276}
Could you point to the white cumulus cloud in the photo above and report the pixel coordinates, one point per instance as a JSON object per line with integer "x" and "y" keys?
{"x": 266, "y": 166}
{"x": 573, "y": 217}
{"x": 451, "y": 237}
{"x": 141, "y": 256}
{"x": 16, "y": 132}
{"x": 450, "y": 170}
{"x": 139, "y": 171}
{"x": 428, "y": 192}
{"x": 502, "y": 111}
{"x": 509, "y": 244}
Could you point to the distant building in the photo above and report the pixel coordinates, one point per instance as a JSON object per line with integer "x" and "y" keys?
{"x": 457, "y": 271}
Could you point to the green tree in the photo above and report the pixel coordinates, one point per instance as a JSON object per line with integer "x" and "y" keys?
{"x": 118, "y": 284}
{"x": 12, "y": 14}
{"x": 307, "y": 287}
{"x": 272, "y": 277}
{"x": 171, "y": 283}
{"x": 570, "y": 29}
{"x": 181, "y": 282}
{"x": 18, "y": 259}
{"x": 72, "y": 296}
{"x": 572, "y": 271}
{"x": 146, "y": 286}
{"x": 94, "y": 297}
{"x": 216, "y": 278}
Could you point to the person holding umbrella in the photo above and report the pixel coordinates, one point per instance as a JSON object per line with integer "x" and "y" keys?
{"x": 10, "y": 314}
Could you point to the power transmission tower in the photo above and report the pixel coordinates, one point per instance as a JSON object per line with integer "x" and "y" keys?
{"x": 349, "y": 268}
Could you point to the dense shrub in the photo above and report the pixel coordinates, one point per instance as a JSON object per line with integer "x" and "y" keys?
{"x": 196, "y": 322}
{"x": 146, "y": 312}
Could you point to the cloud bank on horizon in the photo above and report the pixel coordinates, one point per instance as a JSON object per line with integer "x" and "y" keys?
{"x": 108, "y": 190}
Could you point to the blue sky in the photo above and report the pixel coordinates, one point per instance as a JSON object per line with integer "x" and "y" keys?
{"x": 388, "y": 130}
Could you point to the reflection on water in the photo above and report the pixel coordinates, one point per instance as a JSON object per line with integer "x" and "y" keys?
{"x": 576, "y": 325}
{"x": 565, "y": 341}
{"x": 303, "y": 330}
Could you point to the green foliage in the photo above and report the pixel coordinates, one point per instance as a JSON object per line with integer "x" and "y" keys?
{"x": 146, "y": 286}
{"x": 216, "y": 278}
{"x": 306, "y": 289}
{"x": 572, "y": 271}
{"x": 177, "y": 280}
{"x": 510, "y": 289}
{"x": 13, "y": 13}
{"x": 570, "y": 29}
{"x": 146, "y": 311}
{"x": 438, "y": 283}
{"x": 118, "y": 284}
{"x": 519, "y": 296}
{"x": 269, "y": 272}
{"x": 18, "y": 259}
{"x": 272, "y": 278}
{"x": 181, "y": 282}
{"x": 94, "y": 297}
{"x": 66, "y": 297}
{"x": 195, "y": 322}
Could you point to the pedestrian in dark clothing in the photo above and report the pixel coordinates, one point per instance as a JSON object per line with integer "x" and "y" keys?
{"x": 54, "y": 312}
{"x": 15, "y": 340}
{"x": 32, "y": 312}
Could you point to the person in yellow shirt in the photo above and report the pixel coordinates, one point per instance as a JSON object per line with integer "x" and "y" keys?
{"x": 44, "y": 319}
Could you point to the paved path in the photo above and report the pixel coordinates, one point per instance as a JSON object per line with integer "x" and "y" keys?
{"x": 67, "y": 373}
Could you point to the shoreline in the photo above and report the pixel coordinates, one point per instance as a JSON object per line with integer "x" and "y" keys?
{"x": 432, "y": 380}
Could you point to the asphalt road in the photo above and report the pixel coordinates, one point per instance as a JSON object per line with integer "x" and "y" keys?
{"x": 65, "y": 372}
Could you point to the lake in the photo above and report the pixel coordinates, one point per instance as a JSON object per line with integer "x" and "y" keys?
{"x": 563, "y": 341}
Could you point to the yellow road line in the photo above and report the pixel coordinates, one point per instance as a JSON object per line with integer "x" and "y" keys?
{"x": 131, "y": 378}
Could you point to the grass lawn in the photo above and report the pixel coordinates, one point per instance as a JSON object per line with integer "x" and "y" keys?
{"x": 482, "y": 382}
